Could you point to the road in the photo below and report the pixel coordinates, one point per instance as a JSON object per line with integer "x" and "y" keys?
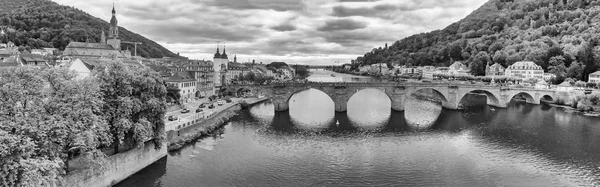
{"x": 192, "y": 115}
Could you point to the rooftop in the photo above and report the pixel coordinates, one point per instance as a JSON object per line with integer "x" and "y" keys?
{"x": 90, "y": 45}
{"x": 181, "y": 77}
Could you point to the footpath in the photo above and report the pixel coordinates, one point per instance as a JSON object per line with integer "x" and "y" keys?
{"x": 191, "y": 126}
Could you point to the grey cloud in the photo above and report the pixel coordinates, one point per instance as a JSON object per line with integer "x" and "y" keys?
{"x": 284, "y": 27}
{"x": 342, "y": 24}
{"x": 278, "y": 5}
{"x": 357, "y": 0}
{"x": 382, "y": 11}
{"x": 203, "y": 34}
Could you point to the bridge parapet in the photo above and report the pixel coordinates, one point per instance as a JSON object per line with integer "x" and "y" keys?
{"x": 451, "y": 93}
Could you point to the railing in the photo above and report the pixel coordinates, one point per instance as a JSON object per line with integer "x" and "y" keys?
{"x": 372, "y": 84}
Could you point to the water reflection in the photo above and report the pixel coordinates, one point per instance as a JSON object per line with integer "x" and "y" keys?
{"x": 421, "y": 114}
{"x": 312, "y": 110}
{"x": 369, "y": 109}
{"x": 522, "y": 145}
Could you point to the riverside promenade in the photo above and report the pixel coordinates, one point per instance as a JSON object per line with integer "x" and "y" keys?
{"x": 190, "y": 127}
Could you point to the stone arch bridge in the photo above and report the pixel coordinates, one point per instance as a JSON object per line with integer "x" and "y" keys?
{"x": 450, "y": 94}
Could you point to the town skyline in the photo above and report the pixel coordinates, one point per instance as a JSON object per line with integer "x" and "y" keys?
{"x": 297, "y": 32}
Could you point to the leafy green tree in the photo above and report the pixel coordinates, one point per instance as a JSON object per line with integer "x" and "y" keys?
{"x": 46, "y": 118}
{"x": 478, "y": 64}
{"x": 173, "y": 94}
{"x": 134, "y": 104}
{"x": 575, "y": 71}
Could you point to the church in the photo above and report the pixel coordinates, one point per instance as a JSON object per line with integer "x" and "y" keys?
{"x": 107, "y": 48}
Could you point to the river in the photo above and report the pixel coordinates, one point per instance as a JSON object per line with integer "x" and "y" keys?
{"x": 370, "y": 145}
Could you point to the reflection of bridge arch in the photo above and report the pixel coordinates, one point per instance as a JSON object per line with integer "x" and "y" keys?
{"x": 492, "y": 99}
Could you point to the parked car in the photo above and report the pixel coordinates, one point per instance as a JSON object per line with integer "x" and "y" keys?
{"x": 202, "y": 106}
{"x": 185, "y": 110}
{"x": 228, "y": 100}
{"x": 211, "y": 106}
{"x": 172, "y": 118}
{"x": 199, "y": 110}
{"x": 220, "y": 102}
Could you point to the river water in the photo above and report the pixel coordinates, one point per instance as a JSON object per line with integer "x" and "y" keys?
{"x": 370, "y": 145}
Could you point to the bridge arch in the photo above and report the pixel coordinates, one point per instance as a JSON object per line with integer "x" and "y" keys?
{"x": 528, "y": 97}
{"x": 365, "y": 89}
{"x": 291, "y": 95}
{"x": 546, "y": 98}
{"x": 492, "y": 99}
{"x": 443, "y": 98}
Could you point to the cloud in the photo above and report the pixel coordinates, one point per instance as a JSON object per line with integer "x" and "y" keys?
{"x": 296, "y": 31}
{"x": 278, "y": 5}
{"x": 284, "y": 27}
{"x": 342, "y": 24}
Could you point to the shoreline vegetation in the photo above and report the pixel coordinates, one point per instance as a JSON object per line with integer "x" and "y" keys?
{"x": 589, "y": 105}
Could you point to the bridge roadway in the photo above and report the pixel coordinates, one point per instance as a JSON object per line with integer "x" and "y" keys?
{"x": 450, "y": 94}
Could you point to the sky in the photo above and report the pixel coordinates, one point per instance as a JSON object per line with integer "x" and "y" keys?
{"x": 293, "y": 31}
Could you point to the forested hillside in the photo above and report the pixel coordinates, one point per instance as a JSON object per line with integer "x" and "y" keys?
{"x": 43, "y": 23}
{"x": 562, "y": 36}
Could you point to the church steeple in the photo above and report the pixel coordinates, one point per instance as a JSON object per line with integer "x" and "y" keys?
{"x": 217, "y": 54}
{"x": 224, "y": 55}
{"x": 113, "y": 32}
{"x": 114, "y": 28}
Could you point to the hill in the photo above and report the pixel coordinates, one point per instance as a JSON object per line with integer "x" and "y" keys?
{"x": 562, "y": 36}
{"x": 43, "y": 23}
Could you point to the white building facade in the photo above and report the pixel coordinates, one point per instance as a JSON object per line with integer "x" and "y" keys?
{"x": 525, "y": 70}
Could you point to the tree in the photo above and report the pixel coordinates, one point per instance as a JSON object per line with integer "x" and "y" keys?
{"x": 575, "y": 71}
{"x": 134, "y": 104}
{"x": 302, "y": 71}
{"x": 500, "y": 58}
{"x": 173, "y": 94}
{"x": 41, "y": 129}
{"x": 479, "y": 63}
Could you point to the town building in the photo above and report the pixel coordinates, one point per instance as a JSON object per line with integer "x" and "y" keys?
{"x": 441, "y": 70}
{"x": 565, "y": 87}
{"x": 458, "y": 68}
{"x": 525, "y": 70}
{"x": 236, "y": 70}
{"x": 106, "y": 48}
{"x": 494, "y": 70}
{"x": 220, "y": 62}
{"x": 594, "y": 77}
{"x": 33, "y": 60}
{"x": 549, "y": 76}
{"x": 10, "y": 62}
{"x": 186, "y": 83}
{"x": 204, "y": 74}
{"x": 427, "y": 71}
{"x": 81, "y": 69}
{"x": 8, "y": 50}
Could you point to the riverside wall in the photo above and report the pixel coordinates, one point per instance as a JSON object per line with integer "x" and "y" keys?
{"x": 118, "y": 167}
{"x": 178, "y": 138}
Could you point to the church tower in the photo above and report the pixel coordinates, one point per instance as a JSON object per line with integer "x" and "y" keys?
{"x": 113, "y": 32}
{"x": 217, "y": 61}
{"x": 103, "y": 38}
{"x": 224, "y": 59}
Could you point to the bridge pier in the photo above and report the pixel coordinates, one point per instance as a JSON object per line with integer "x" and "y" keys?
{"x": 341, "y": 106}
{"x": 280, "y": 105}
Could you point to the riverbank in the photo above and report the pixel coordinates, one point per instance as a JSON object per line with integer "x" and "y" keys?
{"x": 179, "y": 137}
